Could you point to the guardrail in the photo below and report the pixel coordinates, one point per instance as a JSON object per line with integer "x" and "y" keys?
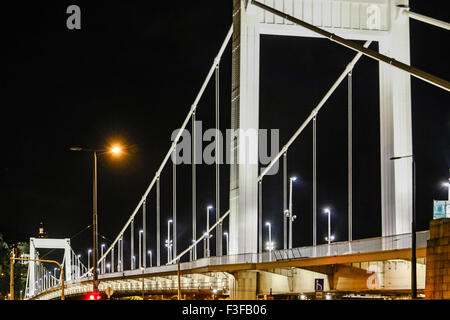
{"x": 402, "y": 241}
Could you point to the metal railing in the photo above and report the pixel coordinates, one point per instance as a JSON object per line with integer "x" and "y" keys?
{"x": 395, "y": 242}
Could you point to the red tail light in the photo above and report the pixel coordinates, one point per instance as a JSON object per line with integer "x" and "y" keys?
{"x": 93, "y": 296}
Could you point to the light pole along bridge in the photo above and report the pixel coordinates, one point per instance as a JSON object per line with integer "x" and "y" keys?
{"x": 367, "y": 265}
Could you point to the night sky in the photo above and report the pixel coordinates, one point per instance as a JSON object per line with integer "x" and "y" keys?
{"x": 131, "y": 74}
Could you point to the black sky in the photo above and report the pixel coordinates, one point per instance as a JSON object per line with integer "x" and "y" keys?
{"x": 131, "y": 74}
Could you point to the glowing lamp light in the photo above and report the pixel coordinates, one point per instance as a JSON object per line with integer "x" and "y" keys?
{"x": 116, "y": 150}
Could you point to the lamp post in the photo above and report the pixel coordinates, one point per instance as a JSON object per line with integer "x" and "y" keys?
{"x": 119, "y": 256}
{"x": 208, "y": 251}
{"x": 291, "y": 217}
{"x": 79, "y": 265}
{"x": 89, "y": 259}
{"x": 447, "y": 207}
{"x": 269, "y": 244}
{"x": 328, "y": 212}
{"x": 328, "y": 238}
{"x": 413, "y": 227}
{"x": 168, "y": 242}
{"x": 141, "y": 232}
{"x": 114, "y": 150}
{"x": 447, "y": 184}
{"x": 149, "y": 252}
{"x": 227, "y": 241}
{"x": 102, "y": 266}
{"x": 204, "y": 245}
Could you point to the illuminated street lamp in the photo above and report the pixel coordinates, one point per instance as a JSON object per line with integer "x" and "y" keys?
{"x": 102, "y": 267}
{"x": 149, "y": 252}
{"x": 290, "y": 216}
{"x": 327, "y": 211}
{"x": 447, "y": 184}
{"x": 141, "y": 232}
{"x": 227, "y": 241}
{"x": 168, "y": 241}
{"x": 89, "y": 258}
{"x": 116, "y": 150}
{"x": 269, "y": 243}
{"x": 205, "y": 244}
{"x": 79, "y": 265}
{"x": 208, "y": 251}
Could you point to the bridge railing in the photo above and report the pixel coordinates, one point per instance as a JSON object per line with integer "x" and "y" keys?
{"x": 395, "y": 242}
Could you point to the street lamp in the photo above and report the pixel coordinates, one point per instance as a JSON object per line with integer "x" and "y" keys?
{"x": 79, "y": 265}
{"x": 327, "y": 211}
{"x": 447, "y": 184}
{"x": 227, "y": 241}
{"x": 205, "y": 244}
{"x": 141, "y": 232}
{"x": 114, "y": 150}
{"x": 413, "y": 227}
{"x": 269, "y": 244}
{"x": 89, "y": 259}
{"x": 290, "y": 216}
{"x": 102, "y": 267}
{"x": 149, "y": 252}
{"x": 208, "y": 251}
{"x": 120, "y": 255}
{"x": 108, "y": 267}
{"x": 168, "y": 241}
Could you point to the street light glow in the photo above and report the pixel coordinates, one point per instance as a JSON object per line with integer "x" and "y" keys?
{"x": 116, "y": 150}
{"x": 293, "y": 178}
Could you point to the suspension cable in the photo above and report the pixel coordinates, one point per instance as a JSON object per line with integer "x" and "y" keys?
{"x": 314, "y": 111}
{"x": 174, "y": 143}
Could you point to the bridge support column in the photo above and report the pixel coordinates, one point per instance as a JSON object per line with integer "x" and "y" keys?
{"x": 244, "y": 145}
{"x": 243, "y": 286}
{"x": 395, "y": 128}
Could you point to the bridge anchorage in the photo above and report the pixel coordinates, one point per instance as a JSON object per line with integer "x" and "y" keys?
{"x": 376, "y": 265}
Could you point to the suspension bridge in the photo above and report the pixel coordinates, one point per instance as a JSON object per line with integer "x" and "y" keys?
{"x": 243, "y": 269}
